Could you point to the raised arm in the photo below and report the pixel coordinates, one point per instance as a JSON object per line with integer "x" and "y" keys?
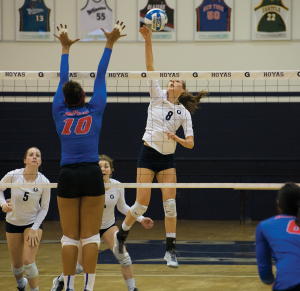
{"x": 147, "y": 34}
{"x": 111, "y": 38}
{"x": 64, "y": 67}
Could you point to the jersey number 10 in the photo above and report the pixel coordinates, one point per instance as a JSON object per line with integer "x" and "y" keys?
{"x": 82, "y": 127}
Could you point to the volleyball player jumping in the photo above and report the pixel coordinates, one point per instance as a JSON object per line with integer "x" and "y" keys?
{"x": 80, "y": 187}
{"x": 113, "y": 197}
{"x": 168, "y": 110}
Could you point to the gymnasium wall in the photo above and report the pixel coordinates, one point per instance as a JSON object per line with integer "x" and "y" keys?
{"x": 234, "y": 142}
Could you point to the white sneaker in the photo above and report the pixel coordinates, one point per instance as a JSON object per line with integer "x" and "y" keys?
{"x": 24, "y": 288}
{"x": 171, "y": 259}
{"x": 57, "y": 285}
{"x": 118, "y": 249}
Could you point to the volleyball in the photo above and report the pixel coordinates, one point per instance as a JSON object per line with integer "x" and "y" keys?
{"x": 156, "y": 19}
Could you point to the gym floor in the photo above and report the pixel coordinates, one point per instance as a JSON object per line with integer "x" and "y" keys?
{"x": 213, "y": 255}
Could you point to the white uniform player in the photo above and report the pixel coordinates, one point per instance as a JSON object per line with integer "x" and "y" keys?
{"x": 114, "y": 197}
{"x": 95, "y": 15}
{"x": 26, "y": 208}
{"x": 164, "y": 116}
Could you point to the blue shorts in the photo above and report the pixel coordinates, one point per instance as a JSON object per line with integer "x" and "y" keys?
{"x": 155, "y": 161}
{"x": 10, "y": 228}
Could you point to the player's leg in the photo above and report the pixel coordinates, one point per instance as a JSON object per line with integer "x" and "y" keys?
{"x": 139, "y": 208}
{"x": 91, "y": 213}
{"x": 58, "y": 282}
{"x": 29, "y": 253}
{"x": 169, "y": 202}
{"x": 126, "y": 268}
{"x": 15, "y": 246}
{"x": 69, "y": 211}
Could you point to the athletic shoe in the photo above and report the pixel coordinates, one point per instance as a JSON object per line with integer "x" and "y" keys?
{"x": 118, "y": 249}
{"x": 24, "y": 288}
{"x": 57, "y": 285}
{"x": 171, "y": 259}
{"x": 135, "y": 289}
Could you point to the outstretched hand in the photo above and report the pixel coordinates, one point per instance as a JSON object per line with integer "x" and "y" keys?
{"x": 145, "y": 32}
{"x": 64, "y": 38}
{"x": 114, "y": 35}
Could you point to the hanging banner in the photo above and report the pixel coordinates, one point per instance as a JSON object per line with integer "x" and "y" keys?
{"x": 213, "y": 20}
{"x": 169, "y": 7}
{"x": 271, "y": 19}
{"x": 94, "y": 15}
{"x": 34, "y": 20}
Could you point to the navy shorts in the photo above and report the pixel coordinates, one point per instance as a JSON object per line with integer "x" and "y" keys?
{"x": 104, "y": 230}
{"x": 82, "y": 179}
{"x": 155, "y": 161}
{"x": 10, "y": 228}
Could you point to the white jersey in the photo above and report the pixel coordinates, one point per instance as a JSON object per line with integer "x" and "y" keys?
{"x": 164, "y": 116}
{"x": 113, "y": 197}
{"x": 25, "y": 202}
{"x": 95, "y": 15}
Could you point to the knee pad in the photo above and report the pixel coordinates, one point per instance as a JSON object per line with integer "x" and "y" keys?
{"x": 126, "y": 262}
{"x": 31, "y": 271}
{"x": 170, "y": 208}
{"x": 137, "y": 209}
{"x": 66, "y": 241}
{"x": 17, "y": 272}
{"x": 95, "y": 239}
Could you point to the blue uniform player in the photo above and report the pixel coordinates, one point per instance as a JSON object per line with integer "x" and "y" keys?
{"x": 213, "y": 15}
{"x": 34, "y": 16}
{"x": 80, "y": 188}
{"x": 279, "y": 238}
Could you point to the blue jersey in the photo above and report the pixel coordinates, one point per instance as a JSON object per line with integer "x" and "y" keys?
{"x": 79, "y": 127}
{"x": 213, "y": 15}
{"x": 279, "y": 238}
{"x": 34, "y": 16}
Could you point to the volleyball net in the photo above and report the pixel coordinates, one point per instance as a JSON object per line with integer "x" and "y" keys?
{"x": 248, "y": 116}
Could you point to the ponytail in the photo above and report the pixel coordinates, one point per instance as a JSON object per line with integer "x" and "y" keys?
{"x": 189, "y": 101}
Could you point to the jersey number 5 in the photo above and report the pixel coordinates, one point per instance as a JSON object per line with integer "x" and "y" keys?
{"x": 293, "y": 228}
{"x": 82, "y": 127}
{"x": 25, "y": 198}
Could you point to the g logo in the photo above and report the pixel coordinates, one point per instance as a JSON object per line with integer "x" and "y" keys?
{"x": 247, "y": 74}
{"x": 144, "y": 75}
{"x": 178, "y": 112}
{"x": 41, "y": 74}
{"x": 92, "y": 75}
{"x": 112, "y": 196}
{"x": 195, "y": 75}
{"x": 298, "y": 74}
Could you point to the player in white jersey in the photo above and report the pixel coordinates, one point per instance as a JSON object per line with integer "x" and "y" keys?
{"x": 113, "y": 197}
{"x": 26, "y": 211}
{"x": 168, "y": 110}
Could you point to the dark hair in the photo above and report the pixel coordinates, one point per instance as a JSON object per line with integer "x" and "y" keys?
{"x": 289, "y": 200}
{"x": 189, "y": 101}
{"x": 109, "y": 160}
{"x": 73, "y": 92}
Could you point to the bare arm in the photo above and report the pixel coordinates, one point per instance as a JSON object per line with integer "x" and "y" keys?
{"x": 147, "y": 33}
{"x": 187, "y": 143}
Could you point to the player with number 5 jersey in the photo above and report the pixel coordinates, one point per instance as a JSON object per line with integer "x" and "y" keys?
{"x": 80, "y": 188}
{"x": 168, "y": 110}
{"x": 279, "y": 238}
